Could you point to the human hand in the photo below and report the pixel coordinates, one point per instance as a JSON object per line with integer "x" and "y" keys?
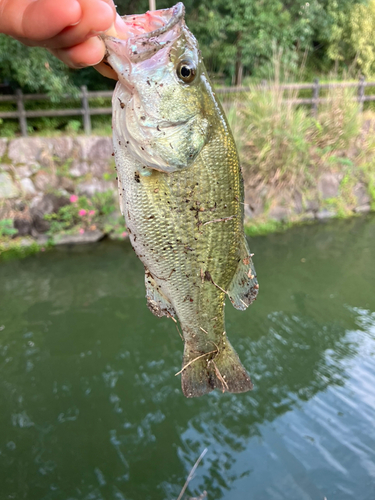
{"x": 68, "y": 29}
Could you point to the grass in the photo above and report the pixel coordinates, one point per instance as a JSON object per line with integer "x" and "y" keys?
{"x": 263, "y": 228}
{"x": 17, "y": 249}
{"x": 285, "y": 148}
{"x": 282, "y": 144}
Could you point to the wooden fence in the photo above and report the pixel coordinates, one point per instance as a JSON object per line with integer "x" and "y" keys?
{"x": 86, "y": 111}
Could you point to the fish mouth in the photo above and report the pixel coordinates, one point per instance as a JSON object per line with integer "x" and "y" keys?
{"x": 168, "y": 18}
{"x": 145, "y": 34}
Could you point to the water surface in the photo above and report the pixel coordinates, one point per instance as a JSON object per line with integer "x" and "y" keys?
{"x": 90, "y": 407}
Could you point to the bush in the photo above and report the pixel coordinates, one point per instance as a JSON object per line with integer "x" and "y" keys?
{"x": 271, "y": 134}
{"x": 280, "y": 143}
{"x": 82, "y": 214}
{"x": 6, "y": 228}
{"x": 339, "y": 121}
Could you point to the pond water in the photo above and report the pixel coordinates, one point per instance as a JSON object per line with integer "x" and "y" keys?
{"x": 90, "y": 407}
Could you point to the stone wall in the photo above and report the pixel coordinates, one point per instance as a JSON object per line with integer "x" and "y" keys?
{"x": 31, "y": 166}
{"x": 39, "y": 175}
{"x": 328, "y": 193}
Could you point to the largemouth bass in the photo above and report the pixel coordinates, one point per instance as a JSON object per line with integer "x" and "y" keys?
{"x": 181, "y": 192}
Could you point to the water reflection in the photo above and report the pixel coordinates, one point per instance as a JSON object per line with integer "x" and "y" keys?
{"x": 90, "y": 407}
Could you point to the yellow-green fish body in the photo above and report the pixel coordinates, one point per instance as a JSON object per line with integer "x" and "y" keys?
{"x": 181, "y": 193}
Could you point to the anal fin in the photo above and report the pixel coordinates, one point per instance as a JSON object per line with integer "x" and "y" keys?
{"x": 244, "y": 287}
{"x": 156, "y": 301}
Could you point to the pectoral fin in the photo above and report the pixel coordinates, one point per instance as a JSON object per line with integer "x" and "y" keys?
{"x": 244, "y": 287}
{"x": 156, "y": 301}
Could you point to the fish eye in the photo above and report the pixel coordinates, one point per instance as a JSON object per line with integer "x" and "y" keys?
{"x": 186, "y": 71}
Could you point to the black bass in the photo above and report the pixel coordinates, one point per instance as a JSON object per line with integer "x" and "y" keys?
{"x": 181, "y": 192}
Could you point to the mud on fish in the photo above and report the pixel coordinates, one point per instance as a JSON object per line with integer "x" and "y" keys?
{"x": 181, "y": 192}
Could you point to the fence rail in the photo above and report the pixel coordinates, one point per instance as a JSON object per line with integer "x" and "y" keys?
{"x": 86, "y": 111}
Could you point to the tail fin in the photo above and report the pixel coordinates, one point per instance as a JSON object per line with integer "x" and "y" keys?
{"x": 202, "y": 373}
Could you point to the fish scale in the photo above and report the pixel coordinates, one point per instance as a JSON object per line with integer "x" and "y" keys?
{"x": 181, "y": 193}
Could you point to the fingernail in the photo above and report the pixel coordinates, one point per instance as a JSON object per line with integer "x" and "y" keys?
{"x": 95, "y": 64}
{"x": 91, "y": 64}
{"x": 78, "y": 6}
{"x": 111, "y": 31}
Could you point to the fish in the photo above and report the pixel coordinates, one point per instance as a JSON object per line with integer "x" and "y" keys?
{"x": 181, "y": 192}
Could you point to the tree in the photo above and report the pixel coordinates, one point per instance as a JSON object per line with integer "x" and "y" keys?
{"x": 362, "y": 36}
{"x": 235, "y": 37}
{"x": 33, "y": 69}
{"x": 239, "y": 34}
{"x": 352, "y": 29}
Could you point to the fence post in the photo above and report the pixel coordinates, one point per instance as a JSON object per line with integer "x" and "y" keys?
{"x": 315, "y": 99}
{"x": 21, "y": 113}
{"x": 86, "y": 111}
{"x": 361, "y": 92}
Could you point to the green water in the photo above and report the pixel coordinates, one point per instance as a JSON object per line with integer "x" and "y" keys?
{"x": 90, "y": 407}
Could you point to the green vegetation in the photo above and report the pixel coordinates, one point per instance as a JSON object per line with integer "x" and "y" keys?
{"x": 286, "y": 149}
{"x": 352, "y": 37}
{"x": 57, "y": 125}
{"x": 236, "y": 39}
{"x": 33, "y": 69}
{"x": 19, "y": 248}
{"x": 6, "y": 228}
{"x": 279, "y": 139}
{"x": 267, "y": 227}
{"x": 81, "y": 214}
{"x": 87, "y": 214}
{"x": 281, "y": 143}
